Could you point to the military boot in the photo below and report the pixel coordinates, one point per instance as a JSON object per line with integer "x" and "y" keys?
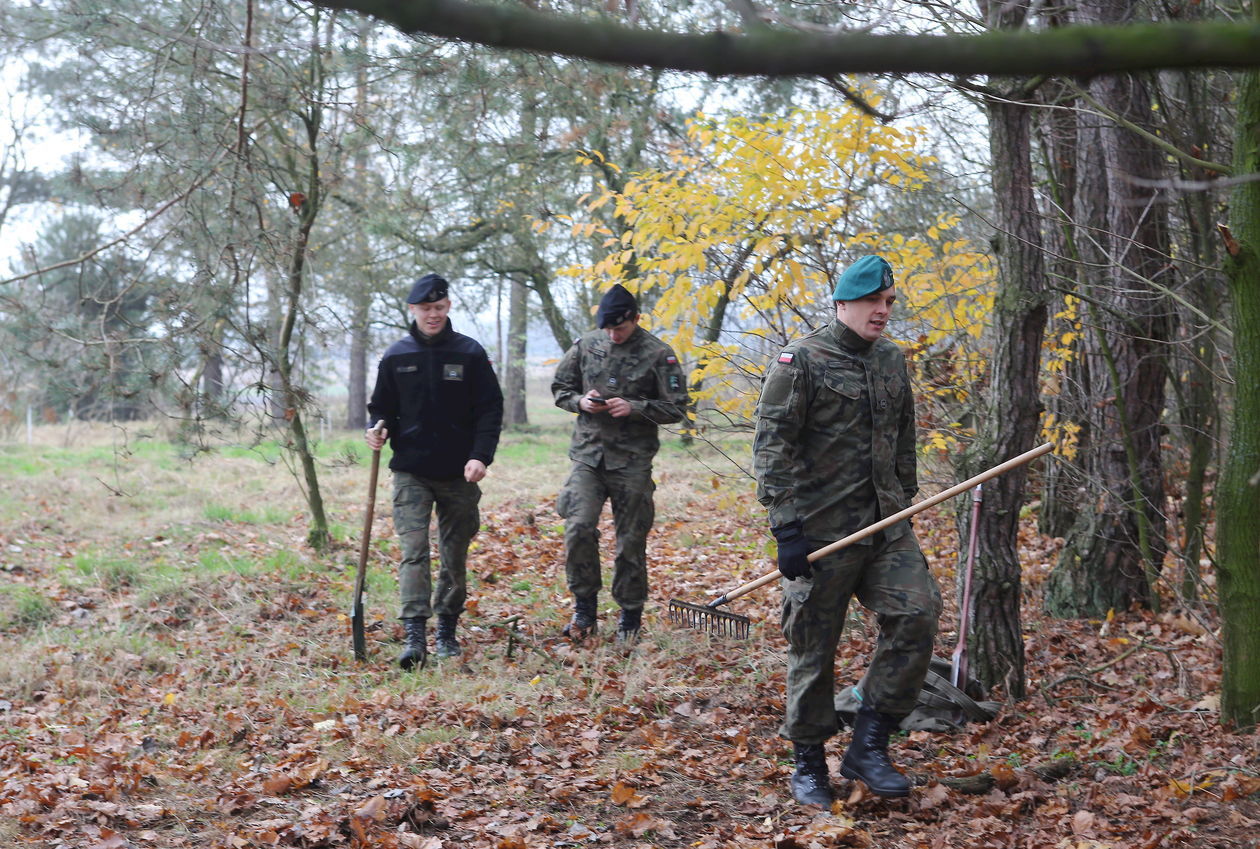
{"x": 628, "y": 626}
{"x": 416, "y": 651}
{"x": 444, "y": 642}
{"x": 867, "y": 756}
{"x": 583, "y": 622}
{"x": 811, "y": 785}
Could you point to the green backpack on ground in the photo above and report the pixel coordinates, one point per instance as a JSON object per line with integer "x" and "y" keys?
{"x": 941, "y": 706}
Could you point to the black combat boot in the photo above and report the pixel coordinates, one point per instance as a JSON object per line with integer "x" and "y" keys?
{"x": 583, "y": 622}
{"x": 416, "y": 651}
{"x": 444, "y": 642}
{"x": 811, "y": 785}
{"x": 628, "y": 626}
{"x": 867, "y": 757}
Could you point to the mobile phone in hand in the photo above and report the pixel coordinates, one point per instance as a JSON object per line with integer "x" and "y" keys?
{"x": 597, "y": 401}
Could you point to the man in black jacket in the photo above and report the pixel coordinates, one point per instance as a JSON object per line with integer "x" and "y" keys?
{"x": 438, "y": 396}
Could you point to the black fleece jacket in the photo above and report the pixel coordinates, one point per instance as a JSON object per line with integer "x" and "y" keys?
{"x": 441, "y": 403}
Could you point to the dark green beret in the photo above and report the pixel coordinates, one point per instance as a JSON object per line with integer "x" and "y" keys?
{"x": 869, "y": 274}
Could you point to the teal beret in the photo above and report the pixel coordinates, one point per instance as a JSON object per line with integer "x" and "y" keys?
{"x": 869, "y": 274}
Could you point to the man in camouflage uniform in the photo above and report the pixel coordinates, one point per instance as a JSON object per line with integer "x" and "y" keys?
{"x": 834, "y": 452}
{"x": 623, "y": 383}
{"x": 439, "y": 399}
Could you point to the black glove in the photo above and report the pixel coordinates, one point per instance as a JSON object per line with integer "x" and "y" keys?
{"x": 793, "y": 551}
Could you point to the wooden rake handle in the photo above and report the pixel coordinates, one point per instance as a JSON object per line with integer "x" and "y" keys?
{"x": 1001, "y": 468}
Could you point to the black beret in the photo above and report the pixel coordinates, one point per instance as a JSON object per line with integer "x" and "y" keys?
{"x": 616, "y": 306}
{"x": 429, "y": 288}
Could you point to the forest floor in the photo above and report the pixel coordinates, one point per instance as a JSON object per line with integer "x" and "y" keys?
{"x": 178, "y": 673}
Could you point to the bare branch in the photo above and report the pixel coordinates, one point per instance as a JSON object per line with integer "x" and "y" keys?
{"x": 764, "y": 51}
{"x": 149, "y": 219}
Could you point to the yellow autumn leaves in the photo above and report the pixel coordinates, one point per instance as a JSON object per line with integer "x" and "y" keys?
{"x": 738, "y": 243}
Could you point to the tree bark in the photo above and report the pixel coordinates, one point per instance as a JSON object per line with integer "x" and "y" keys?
{"x": 360, "y": 288}
{"x": 1114, "y": 554}
{"x": 514, "y": 411}
{"x": 1198, "y": 410}
{"x": 1061, "y": 481}
{"x": 356, "y": 385}
{"x": 1238, "y": 496}
{"x": 1012, "y": 404}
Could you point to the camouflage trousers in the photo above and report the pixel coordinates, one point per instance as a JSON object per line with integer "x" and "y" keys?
{"x": 892, "y": 580}
{"x": 580, "y": 502}
{"x": 458, "y": 520}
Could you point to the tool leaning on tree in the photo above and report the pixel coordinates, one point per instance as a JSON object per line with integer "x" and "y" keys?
{"x": 708, "y": 617}
{"x": 365, "y": 539}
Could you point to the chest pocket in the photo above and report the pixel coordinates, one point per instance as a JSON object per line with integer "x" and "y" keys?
{"x": 846, "y": 380}
{"x": 894, "y": 389}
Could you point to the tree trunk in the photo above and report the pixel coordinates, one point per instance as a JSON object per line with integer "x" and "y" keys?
{"x": 1013, "y": 407}
{"x": 212, "y": 386}
{"x": 361, "y": 286}
{"x": 295, "y": 397}
{"x": 1061, "y": 481}
{"x": 1198, "y": 412}
{"x": 514, "y": 413}
{"x": 356, "y": 386}
{"x": 1238, "y": 496}
{"x": 1113, "y": 555}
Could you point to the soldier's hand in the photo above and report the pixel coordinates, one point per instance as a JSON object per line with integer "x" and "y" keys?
{"x": 474, "y": 470}
{"x": 619, "y": 407}
{"x": 793, "y": 551}
{"x": 592, "y": 403}
{"x": 375, "y": 437}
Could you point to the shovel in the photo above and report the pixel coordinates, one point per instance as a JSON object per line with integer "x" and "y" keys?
{"x": 356, "y": 608}
{"x": 707, "y": 617}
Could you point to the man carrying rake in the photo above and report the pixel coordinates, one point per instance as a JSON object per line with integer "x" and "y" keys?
{"x": 834, "y": 452}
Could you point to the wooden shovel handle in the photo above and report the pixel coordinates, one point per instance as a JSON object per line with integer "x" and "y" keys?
{"x": 357, "y": 629}
{"x": 893, "y": 519}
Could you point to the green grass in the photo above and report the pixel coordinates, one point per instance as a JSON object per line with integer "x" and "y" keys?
{"x": 111, "y": 571}
{"x": 267, "y": 515}
{"x": 21, "y": 461}
{"x": 23, "y": 608}
{"x": 218, "y": 563}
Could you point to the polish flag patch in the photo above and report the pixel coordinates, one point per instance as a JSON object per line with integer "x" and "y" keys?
{"x": 672, "y": 360}
{"x": 786, "y": 357}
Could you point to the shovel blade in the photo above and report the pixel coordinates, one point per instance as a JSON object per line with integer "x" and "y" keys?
{"x": 357, "y": 633}
{"x": 698, "y": 617}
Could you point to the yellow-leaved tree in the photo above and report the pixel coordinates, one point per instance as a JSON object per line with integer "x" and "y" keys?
{"x": 739, "y": 244}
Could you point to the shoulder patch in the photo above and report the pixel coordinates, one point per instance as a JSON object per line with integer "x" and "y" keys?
{"x": 786, "y": 357}
{"x": 671, "y": 359}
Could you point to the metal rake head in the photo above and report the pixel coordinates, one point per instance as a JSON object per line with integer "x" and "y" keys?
{"x": 699, "y": 617}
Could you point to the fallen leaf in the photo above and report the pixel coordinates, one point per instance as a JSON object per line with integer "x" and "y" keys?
{"x": 933, "y": 796}
{"x": 277, "y": 785}
{"x": 372, "y": 809}
{"x": 407, "y": 840}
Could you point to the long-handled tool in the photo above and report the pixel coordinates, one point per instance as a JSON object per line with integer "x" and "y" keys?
{"x": 708, "y": 617}
{"x": 356, "y": 607}
{"x": 958, "y": 669}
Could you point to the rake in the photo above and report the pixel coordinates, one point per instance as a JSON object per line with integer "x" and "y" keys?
{"x": 707, "y": 617}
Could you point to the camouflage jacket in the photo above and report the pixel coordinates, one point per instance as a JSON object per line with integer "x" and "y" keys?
{"x": 835, "y": 441}
{"x": 644, "y": 371}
